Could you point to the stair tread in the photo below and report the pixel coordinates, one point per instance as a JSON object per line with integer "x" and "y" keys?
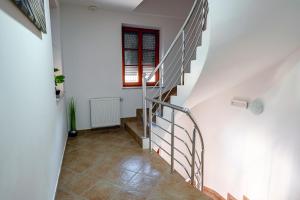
{"x": 137, "y": 127}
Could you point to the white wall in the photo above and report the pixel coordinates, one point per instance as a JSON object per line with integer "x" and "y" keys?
{"x": 32, "y": 123}
{"x": 247, "y": 37}
{"x": 254, "y": 53}
{"x": 56, "y": 37}
{"x": 92, "y": 55}
{"x": 255, "y": 155}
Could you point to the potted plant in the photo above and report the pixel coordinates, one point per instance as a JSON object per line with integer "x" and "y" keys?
{"x": 59, "y": 79}
{"x": 72, "y": 118}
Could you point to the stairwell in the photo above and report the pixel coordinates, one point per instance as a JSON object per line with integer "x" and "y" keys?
{"x": 157, "y": 125}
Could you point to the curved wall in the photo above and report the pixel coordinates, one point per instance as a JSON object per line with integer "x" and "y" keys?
{"x": 246, "y": 37}
{"x": 254, "y": 53}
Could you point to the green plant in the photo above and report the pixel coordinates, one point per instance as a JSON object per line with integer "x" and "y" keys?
{"x": 58, "y": 78}
{"x": 72, "y": 114}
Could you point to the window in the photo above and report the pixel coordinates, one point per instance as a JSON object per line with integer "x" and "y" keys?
{"x": 140, "y": 51}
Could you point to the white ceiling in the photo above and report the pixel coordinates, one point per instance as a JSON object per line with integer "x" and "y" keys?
{"x": 124, "y": 5}
{"x": 167, "y": 8}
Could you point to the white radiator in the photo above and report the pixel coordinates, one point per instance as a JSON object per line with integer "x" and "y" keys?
{"x": 105, "y": 112}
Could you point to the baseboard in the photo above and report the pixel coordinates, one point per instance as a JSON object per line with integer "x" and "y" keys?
{"x": 245, "y": 198}
{"x": 98, "y": 129}
{"x": 212, "y": 193}
{"x": 230, "y": 197}
{"x": 61, "y": 162}
{"x": 216, "y": 196}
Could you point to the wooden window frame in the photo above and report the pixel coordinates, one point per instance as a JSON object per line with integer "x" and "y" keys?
{"x": 140, "y": 49}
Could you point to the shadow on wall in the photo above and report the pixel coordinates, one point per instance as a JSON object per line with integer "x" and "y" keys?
{"x": 13, "y": 11}
{"x": 257, "y": 152}
{"x": 272, "y": 75}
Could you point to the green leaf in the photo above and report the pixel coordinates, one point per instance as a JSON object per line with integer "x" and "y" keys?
{"x": 59, "y": 79}
{"x": 72, "y": 114}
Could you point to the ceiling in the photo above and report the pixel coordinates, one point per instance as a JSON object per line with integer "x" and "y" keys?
{"x": 167, "y": 8}
{"x": 124, "y": 5}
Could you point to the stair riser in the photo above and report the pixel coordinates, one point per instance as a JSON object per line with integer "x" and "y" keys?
{"x": 133, "y": 134}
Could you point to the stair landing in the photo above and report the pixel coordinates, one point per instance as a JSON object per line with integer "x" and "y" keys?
{"x": 110, "y": 165}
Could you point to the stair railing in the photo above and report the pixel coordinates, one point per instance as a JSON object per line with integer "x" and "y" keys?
{"x": 194, "y": 157}
{"x": 176, "y": 61}
{"x": 168, "y": 74}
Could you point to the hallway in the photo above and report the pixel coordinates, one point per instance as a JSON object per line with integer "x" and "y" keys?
{"x": 109, "y": 165}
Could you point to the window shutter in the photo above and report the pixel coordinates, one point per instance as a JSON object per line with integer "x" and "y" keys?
{"x": 131, "y": 45}
{"x": 149, "y": 47}
{"x": 140, "y": 55}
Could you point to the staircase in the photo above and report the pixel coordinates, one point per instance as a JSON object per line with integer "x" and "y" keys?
{"x": 158, "y": 124}
{"x": 135, "y": 126}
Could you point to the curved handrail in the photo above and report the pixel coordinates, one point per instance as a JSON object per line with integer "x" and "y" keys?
{"x": 190, "y": 116}
{"x": 184, "y": 110}
{"x": 182, "y": 128}
{"x": 186, "y": 145}
{"x": 175, "y": 63}
{"x": 186, "y": 158}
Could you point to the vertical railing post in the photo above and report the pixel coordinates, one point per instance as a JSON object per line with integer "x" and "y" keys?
{"x": 144, "y": 82}
{"x": 172, "y": 140}
{"x": 205, "y": 15}
{"x": 193, "y": 157}
{"x": 161, "y": 74}
{"x": 182, "y": 59}
{"x": 202, "y": 169}
{"x": 150, "y": 126}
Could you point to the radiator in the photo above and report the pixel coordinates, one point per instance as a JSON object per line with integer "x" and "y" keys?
{"x": 105, "y": 112}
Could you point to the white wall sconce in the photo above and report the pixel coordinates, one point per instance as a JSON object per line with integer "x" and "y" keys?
{"x": 256, "y": 106}
{"x": 239, "y": 103}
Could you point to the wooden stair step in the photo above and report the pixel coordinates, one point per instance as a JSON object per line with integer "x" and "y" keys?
{"x": 136, "y": 130}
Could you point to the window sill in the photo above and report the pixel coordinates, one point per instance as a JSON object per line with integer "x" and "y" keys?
{"x": 139, "y": 87}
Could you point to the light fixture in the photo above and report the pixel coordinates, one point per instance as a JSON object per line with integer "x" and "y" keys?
{"x": 92, "y": 8}
{"x": 239, "y": 103}
{"x": 256, "y": 106}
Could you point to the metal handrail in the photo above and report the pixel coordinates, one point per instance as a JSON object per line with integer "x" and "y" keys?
{"x": 197, "y": 17}
{"x": 186, "y": 158}
{"x": 181, "y": 109}
{"x": 182, "y": 128}
{"x": 186, "y": 171}
{"x": 194, "y": 153}
{"x": 175, "y": 63}
{"x": 174, "y": 42}
{"x": 186, "y": 145}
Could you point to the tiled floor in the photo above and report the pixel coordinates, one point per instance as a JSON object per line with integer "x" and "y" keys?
{"x": 109, "y": 165}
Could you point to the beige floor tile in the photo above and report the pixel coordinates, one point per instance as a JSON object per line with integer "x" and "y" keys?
{"x": 62, "y": 195}
{"x": 110, "y": 165}
{"x": 81, "y": 183}
{"x": 142, "y": 183}
{"x": 103, "y": 190}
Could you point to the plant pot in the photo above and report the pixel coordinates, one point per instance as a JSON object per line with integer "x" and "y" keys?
{"x": 57, "y": 92}
{"x": 73, "y": 133}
